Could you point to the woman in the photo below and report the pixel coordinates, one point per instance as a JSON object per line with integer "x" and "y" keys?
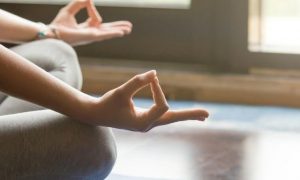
{"x": 56, "y": 131}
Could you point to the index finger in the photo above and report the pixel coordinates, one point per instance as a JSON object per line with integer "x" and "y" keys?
{"x": 160, "y": 107}
{"x": 157, "y": 93}
{"x": 137, "y": 82}
{"x": 75, "y": 6}
{"x": 96, "y": 19}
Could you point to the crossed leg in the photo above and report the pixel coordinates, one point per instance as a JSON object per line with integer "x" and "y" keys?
{"x": 43, "y": 144}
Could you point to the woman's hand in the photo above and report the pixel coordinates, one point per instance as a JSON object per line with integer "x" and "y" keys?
{"x": 89, "y": 31}
{"x": 116, "y": 108}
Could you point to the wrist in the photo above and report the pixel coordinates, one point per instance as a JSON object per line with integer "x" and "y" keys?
{"x": 87, "y": 108}
{"x": 47, "y": 31}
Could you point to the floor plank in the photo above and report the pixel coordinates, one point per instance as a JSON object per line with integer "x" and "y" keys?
{"x": 233, "y": 144}
{"x": 183, "y": 152}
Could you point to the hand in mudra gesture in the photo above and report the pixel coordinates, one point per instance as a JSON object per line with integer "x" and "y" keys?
{"x": 116, "y": 107}
{"x": 74, "y": 33}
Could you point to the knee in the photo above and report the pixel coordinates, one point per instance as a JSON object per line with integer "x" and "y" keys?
{"x": 95, "y": 149}
{"x": 54, "y": 56}
{"x": 66, "y": 60}
{"x": 55, "y": 146}
{"x": 104, "y": 155}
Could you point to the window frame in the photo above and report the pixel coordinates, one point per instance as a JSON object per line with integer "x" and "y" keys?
{"x": 239, "y": 45}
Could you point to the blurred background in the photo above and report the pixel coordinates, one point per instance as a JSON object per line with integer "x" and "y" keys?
{"x": 246, "y": 52}
{"x": 240, "y": 59}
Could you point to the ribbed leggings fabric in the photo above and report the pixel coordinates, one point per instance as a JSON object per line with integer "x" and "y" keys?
{"x": 36, "y": 143}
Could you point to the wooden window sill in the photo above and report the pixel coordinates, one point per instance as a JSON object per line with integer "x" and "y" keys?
{"x": 197, "y": 83}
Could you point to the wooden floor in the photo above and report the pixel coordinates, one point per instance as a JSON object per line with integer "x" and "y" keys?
{"x": 208, "y": 151}
{"x": 196, "y": 151}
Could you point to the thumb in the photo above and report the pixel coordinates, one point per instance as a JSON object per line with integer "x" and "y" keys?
{"x": 138, "y": 82}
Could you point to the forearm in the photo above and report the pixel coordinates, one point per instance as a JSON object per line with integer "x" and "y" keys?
{"x": 21, "y": 78}
{"x": 16, "y": 29}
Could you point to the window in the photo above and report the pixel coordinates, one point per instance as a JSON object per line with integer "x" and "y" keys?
{"x": 177, "y": 4}
{"x": 274, "y": 26}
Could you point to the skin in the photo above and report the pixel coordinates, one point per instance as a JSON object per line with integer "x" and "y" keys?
{"x": 19, "y": 30}
{"x": 115, "y": 108}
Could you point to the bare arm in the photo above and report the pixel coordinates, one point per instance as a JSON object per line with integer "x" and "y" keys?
{"x": 16, "y": 29}
{"x": 20, "y": 78}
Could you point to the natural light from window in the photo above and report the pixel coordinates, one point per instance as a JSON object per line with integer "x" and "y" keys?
{"x": 176, "y": 4}
{"x": 274, "y": 26}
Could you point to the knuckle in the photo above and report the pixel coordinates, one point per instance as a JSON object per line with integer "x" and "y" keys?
{"x": 118, "y": 93}
{"x": 166, "y": 107}
{"x": 163, "y": 108}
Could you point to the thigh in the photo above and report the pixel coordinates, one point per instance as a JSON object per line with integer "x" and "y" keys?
{"x": 41, "y": 144}
{"x": 55, "y": 57}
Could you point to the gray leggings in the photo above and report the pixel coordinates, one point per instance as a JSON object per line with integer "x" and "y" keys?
{"x": 42, "y": 144}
